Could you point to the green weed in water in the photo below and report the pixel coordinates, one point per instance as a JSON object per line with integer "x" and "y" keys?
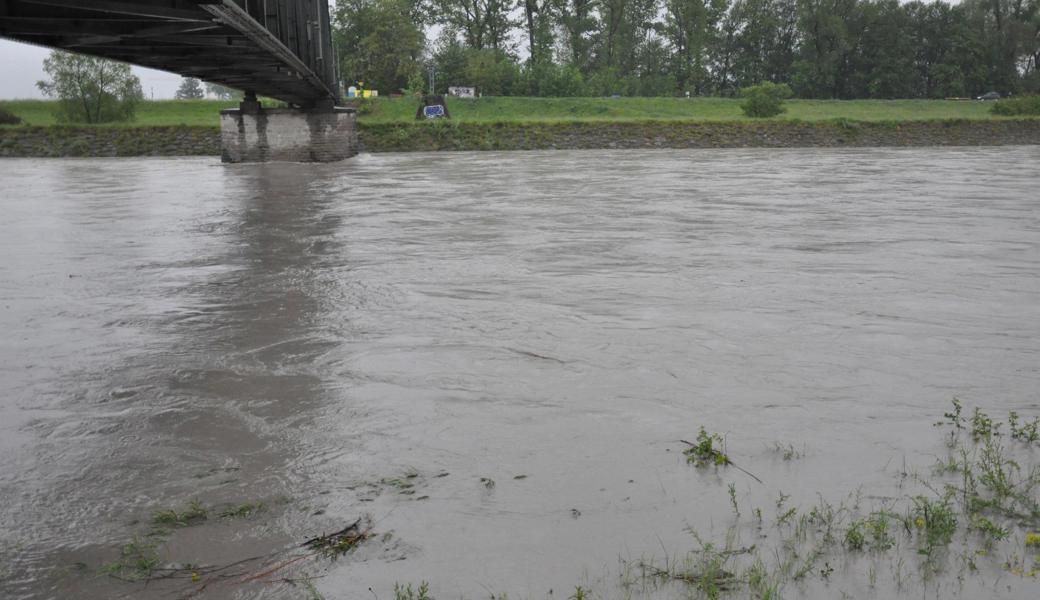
{"x": 243, "y": 510}
{"x": 937, "y": 521}
{"x": 137, "y": 561}
{"x": 1027, "y": 432}
{"x": 195, "y": 513}
{"x": 854, "y": 538}
{"x": 983, "y": 427}
{"x": 707, "y": 451}
{"x": 405, "y": 592}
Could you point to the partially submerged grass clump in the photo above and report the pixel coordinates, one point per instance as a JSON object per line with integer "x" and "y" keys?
{"x": 334, "y": 545}
{"x": 405, "y": 592}
{"x": 246, "y": 509}
{"x": 194, "y": 514}
{"x": 138, "y": 559}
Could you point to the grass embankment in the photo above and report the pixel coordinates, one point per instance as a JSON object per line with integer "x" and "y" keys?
{"x": 190, "y": 127}
{"x": 548, "y": 110}
{"x": 543, "y": 110}
{"x": 159, "y": 113}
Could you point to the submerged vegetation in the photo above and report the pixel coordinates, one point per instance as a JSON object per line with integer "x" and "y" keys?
{"x": 975, "y": 511}
{"x": 980, "y": 503}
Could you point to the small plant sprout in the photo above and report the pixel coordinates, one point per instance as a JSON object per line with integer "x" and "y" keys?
{"x": 787, "y": 451}
{"x": 954, "y": 417}
{"x": 854, "y": 538}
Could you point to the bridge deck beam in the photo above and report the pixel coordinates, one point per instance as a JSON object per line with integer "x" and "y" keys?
{"x": 190, "y": 37}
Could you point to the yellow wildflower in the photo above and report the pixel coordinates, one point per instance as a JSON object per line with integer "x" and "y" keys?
{"x": 919, "y": 522}
{"x": 1033, "y": 539}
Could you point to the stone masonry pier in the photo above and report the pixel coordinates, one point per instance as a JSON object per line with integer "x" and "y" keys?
{"x": 254, "y": 134}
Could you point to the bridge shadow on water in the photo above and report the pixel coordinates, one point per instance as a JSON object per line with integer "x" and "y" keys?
{"x": 217, "y": 391}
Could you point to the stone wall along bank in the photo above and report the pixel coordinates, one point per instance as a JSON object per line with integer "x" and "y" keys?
{"x": 448, "y": 135}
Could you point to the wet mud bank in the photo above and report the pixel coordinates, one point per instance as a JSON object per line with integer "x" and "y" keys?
{"x": 423, "y": 137}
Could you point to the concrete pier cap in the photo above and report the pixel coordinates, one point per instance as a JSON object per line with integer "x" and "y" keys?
{"x": 252, "y": 133}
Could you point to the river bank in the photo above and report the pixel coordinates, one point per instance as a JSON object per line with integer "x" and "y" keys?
{"x": 58, "y": 141}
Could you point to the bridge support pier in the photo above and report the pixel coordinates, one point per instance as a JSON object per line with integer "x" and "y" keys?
{"x": 251, "y": 133}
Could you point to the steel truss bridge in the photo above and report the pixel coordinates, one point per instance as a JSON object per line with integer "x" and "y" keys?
{"x": 277, "y": 48}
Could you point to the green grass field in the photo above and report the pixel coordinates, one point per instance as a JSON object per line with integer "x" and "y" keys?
{"x": 160, "y": 112}
{"x": 512, "y": 110}
{"x": 518, "y": 110}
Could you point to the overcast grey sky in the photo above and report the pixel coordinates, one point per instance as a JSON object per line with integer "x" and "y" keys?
{"x": 21, "y": 66}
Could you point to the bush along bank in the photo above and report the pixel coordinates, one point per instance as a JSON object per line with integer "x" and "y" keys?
{"x": 446, "y": 135}
{"x": 109, "y": 141}
{"x": 453, "y": 135}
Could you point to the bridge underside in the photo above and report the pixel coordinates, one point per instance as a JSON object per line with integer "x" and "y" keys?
{"x": 276, "y": 48}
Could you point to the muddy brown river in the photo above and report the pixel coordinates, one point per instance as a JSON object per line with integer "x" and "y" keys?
{"x": 491, "y": 358}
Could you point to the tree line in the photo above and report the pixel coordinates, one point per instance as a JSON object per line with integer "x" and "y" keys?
{"x": 821, "y": 48}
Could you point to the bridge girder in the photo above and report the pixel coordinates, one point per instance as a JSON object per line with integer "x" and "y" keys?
{"x": 276, "y": 48}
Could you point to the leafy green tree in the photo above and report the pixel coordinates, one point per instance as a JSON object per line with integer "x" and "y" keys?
{"x": 493, "y": 72}
{"x": 449, "y": 61}
{"x": 539, "y": 18}
{"x": 379, "y": 42}
{"x": 881, "y": 63}
{"x": 820, "y": 69}
{"x": 691, "y": 28}
{"x": 948, "y": 58}
{"x": 483, "y": 24}
{"x": 222, "y": 92}
{"x": 766, "y": 32}
{"x": 550, "y": 79}
{"x": 190, "y": 89}
{"x": 653, "y": 69}
{"x": 90, "y": 89}
{"x": 578, "y": 20}
{"x": 624, "y": 25}
{"x": 1011, "y": 31}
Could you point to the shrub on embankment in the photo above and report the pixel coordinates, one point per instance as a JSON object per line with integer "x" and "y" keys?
{"x": 1022, "y": 105}
{"x": 7, "y": 118}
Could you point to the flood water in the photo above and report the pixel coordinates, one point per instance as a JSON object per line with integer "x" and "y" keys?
{"x": 374, "y": 337}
